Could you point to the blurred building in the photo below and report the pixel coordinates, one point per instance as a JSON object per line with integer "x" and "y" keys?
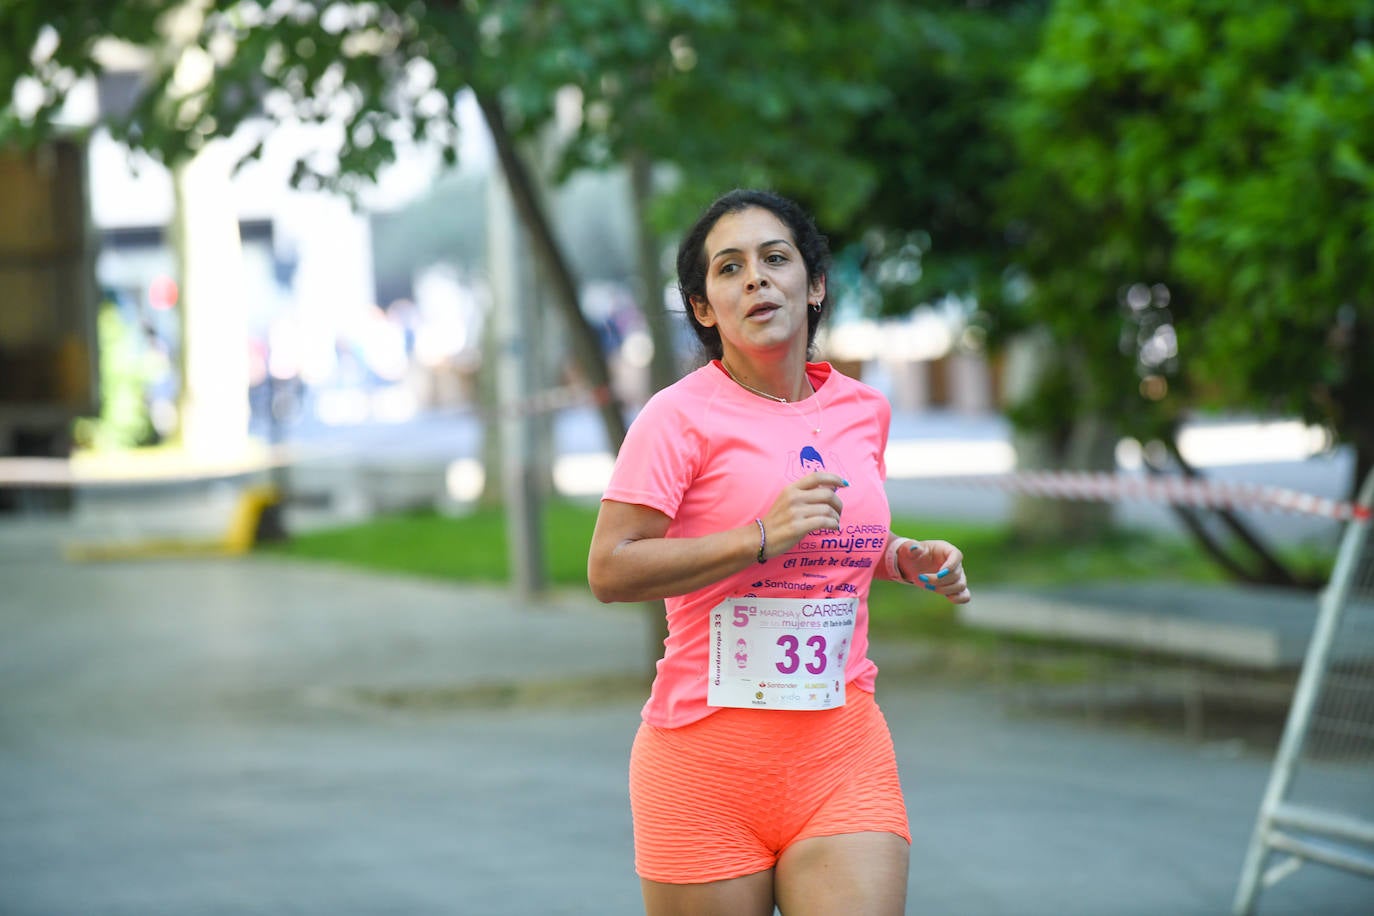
{"x": 48, "y": 353}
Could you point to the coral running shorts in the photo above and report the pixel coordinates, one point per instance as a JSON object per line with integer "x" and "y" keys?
{"x": 724, "y": 796}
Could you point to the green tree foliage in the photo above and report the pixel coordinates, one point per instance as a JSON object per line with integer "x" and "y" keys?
{"x": 387, "y": 71}
{"x": 1196, "y": 206}
{"x": 878, "y": 116}
{"x": 931, "y": 227}
{"x": 758, "y": 94}
{"x": 50, "y": 46}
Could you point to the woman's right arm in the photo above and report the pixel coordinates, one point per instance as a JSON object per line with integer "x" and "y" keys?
{"x": 632, "y": 560}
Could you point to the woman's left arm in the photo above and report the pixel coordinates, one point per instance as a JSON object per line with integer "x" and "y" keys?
{"x": 936, "y": 565}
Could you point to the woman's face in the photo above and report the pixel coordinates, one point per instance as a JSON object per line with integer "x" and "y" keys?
{"x": 757, "y": 293}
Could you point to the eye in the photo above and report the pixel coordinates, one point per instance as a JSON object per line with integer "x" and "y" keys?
{"x": 776, "y": 258}
{"x": 728, "y": 267}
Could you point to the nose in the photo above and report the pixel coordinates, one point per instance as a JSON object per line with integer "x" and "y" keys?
{"x": 756, "y": 278}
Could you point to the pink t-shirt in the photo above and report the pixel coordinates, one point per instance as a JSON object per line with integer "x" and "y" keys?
{"x": 711, "y": 457}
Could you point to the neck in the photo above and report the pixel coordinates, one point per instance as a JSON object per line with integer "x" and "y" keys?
{"x": 777, "y": 381}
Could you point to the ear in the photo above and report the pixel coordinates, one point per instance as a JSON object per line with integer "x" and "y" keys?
{"x": 702, "y": 309}
{"x": 817, "y": 289}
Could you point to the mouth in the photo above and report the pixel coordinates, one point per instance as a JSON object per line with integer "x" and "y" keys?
{"x": 762, "y": 310}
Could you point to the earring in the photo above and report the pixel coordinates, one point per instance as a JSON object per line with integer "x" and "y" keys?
{"x": 816, "y": 307}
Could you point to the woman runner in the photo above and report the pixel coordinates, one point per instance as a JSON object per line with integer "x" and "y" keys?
{"x": 750, "y": 495}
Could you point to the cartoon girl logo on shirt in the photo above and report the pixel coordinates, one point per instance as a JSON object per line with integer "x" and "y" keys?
{"x": 809, "y": 461}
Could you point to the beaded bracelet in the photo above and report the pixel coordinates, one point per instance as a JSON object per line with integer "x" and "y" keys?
{"x": 763, "y": 539}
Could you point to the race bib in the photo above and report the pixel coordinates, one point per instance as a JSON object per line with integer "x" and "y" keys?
{"x": 780, "y": 653}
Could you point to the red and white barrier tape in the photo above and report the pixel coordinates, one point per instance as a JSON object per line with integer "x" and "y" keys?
{"x": 1179, "y": 491}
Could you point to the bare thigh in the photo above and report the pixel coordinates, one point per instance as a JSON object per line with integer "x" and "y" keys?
{"x": 751, "y": 895}
{"x": 852, "y": 874}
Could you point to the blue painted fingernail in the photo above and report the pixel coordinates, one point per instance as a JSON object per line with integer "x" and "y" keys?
{"x": 923, "y": 577}
{"x": 942, "y": 574}
{"x": 930, "y": 588}
{"x": 843, "y": 482}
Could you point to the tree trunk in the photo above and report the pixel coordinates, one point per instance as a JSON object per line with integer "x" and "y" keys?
{"x": 1264, "y": 568}
{"x": 1364, "y": 466}
{"x": 488, "y": 399}
{"x": 664, "y": 368}
{"x": 1086, "y": 443}
{"x": 212, "y": 416}
{"x": 1350, "y": 402}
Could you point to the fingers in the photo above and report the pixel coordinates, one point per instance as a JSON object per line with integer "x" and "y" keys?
{"x": 815, "y": 509}
{"x": 821, "y": 479}
{"x": 810, "y": 504}
{"x": 822, "y": 488}
{"x": 941, "y": 569}
{"x": 955, "y": 590}
{"x": 817, "y": 493}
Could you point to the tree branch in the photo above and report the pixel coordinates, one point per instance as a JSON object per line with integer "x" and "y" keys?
{"x": 1272, "y": 571}
{"x": 586, "y": 347}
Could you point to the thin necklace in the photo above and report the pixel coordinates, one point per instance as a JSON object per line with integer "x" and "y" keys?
{"x": 815, "y": 395}
{"x": 762, "y": 394}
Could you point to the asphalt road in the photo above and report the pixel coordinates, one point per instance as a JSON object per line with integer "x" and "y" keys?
{"x": 256, "y": 736}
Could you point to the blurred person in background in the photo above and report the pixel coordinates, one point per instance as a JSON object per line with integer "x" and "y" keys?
{"x": 763, "y": 773}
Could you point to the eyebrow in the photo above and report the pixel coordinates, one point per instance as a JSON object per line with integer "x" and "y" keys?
{"x": 762, "y": 245}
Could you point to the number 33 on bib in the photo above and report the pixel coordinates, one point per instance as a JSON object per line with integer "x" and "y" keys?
{"x": 779, "y": 653}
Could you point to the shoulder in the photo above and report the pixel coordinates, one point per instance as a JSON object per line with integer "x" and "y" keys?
{"x": 683, "y": 397}
{"x": 682, "y": 406}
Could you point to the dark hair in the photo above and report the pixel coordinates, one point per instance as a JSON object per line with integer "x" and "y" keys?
{"x": 691, "y": 256}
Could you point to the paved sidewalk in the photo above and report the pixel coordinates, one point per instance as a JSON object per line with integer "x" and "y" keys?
{"x": 259, "y": 736}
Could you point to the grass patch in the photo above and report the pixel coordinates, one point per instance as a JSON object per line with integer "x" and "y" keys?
{"x": 472, "y": 547}
{"x": 466, "y": 548}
